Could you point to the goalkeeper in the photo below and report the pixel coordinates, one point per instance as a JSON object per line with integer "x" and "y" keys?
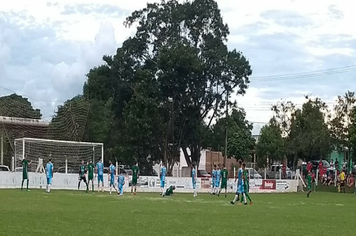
{"x": 169, "y": 191}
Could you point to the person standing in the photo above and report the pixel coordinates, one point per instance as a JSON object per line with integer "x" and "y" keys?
{"x": 49, "y": 175}
{"x": 135, "y": 173}
{"x": 194, "y": 180}
{"x": 90, "y": 175}
{"x": 25, "y": 165}
{"x": 224, "y": 176}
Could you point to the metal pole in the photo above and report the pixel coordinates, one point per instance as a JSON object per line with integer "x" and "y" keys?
{"x": 227, "y": 98}
{"x": 2, "y": 148}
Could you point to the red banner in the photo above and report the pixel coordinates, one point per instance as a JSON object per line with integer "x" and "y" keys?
{"x": 269, "y": 184}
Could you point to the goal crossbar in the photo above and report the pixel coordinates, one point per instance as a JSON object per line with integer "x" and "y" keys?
{"x": 60, "y": 141}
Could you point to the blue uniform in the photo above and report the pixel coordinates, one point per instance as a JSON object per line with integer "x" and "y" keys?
{"x": 194, "y": 178}
{"x": 218, "y": 177}
{"x": 100, "y": 169}
{"x": 120, "y": 183}
{"x": 49, "y": 172}
{"x": 240, "y": 184}
{"x": 163, "y": 176}
{"x": 112, "y": 174}
{"x": 213, "y": 177}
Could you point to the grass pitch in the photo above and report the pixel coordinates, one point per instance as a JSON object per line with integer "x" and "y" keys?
{"x": 77, "y": 213}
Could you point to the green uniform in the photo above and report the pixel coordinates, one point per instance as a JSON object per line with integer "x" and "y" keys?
{"x": 82, "y": 171}
{"x": 24, "y": 169}
{"x": 169, "y": 191}
{"x": 246, "y": 181}
{"x": 309, "y": 182}
{"x": 90, "y": 171}
{"x": 224, "y": 175}
{"x": 134, "y": 175}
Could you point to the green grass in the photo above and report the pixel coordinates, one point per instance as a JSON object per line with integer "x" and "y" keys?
{"x": 77, "y": 213}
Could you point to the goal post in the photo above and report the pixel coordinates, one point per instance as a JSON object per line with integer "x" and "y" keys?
{"x": 66, "y": 156}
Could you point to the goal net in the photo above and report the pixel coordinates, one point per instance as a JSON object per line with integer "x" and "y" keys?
{"x": 66, "y": 156}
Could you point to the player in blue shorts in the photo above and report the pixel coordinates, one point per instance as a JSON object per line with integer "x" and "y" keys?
{"x": 100, "y": 172}
{"x": 112, "y": 176}
{"x": 194, "y": 180}
{"x": 240, "y": 187}
{"x": 213, "y": 178}
{"x": 120, "y": 184}
{"x": 49, "y": 175}
{"x": 217, "y": 180}
{"x": 163, "y": 178}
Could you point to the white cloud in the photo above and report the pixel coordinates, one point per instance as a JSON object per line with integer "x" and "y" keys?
{"x": 47, "y": 47}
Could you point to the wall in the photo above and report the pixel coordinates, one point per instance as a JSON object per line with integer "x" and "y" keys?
{"x": 145, "y": 183}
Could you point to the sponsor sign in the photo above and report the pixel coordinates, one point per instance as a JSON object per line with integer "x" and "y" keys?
{"x": 269, "y": 184}
{"x": 282, "y": 185}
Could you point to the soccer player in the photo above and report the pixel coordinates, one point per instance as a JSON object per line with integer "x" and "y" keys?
{"x": 239, "y": 184}
{"x": 82, "y": 171}
{"x": 213, "y": 177}
{"x": 49, "y": 175}
{"x": 246, "y": 184}
{"x": 194, "y": 180}
{"x": 135, "y": 171}
{"x": 217, "y": 180}
{"x": 120, "y": 184}
{"x": 25, "y": 165}
{"x": 112, "y": 176}
{"x": 90, "y": 175}
{"x": 163, "y": 178}
{"x": 100, "y": 172}
{"x": 169, "y": 191}
{"x": 224, "y": 175}
{"x": 309, "y": 183}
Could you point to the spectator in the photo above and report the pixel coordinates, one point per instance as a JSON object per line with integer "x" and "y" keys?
{"x": 324, "y": 180}
{"x": 344, "y": 165}
{"x": 321, "y": 169}
{"x": 337, "y": 165}
{"x": 342, "y": 181}
{"x": 332, "y": 163}
{"x": 284, "y": 170}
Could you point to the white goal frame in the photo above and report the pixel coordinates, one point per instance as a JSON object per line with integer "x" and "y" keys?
{"x": 40, "y": 168}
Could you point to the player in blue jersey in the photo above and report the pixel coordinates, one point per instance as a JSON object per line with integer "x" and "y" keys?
{"x": 100, "y": 172}
{"x": 240, "y": 186}
{"x": 120, "y": 184}
{"x": 163, "y": 178}
{"x": 194, "y": 180}
{"x": 213, "y": 178}
{"x": 49, "y": 175}
{"x": 112, "y": 170}
{"x": 217, "y": 180}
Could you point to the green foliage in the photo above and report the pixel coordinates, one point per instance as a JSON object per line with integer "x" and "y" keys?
{"x": 17, "y": 106}
{"x": 352, "y": 131}
{"x": 240, "y": 140}
{"x": 70, "y": 121}
{"x": 270, "y": 145}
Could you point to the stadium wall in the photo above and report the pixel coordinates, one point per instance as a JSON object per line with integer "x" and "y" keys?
{"x": 145, "y": 183}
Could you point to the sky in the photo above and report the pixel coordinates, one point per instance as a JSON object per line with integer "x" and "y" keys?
{"x": 295, "y": 48}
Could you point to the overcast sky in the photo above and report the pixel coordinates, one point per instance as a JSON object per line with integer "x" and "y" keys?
{"x": 47, "y": 47}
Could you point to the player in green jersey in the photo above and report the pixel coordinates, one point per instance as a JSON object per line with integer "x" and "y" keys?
{"x": 224, "y": 176}
{"x": 169, "y": 191}
{"x": 246, "y": 183}
{"x": 82, "y": 171}
{"x": 135, "y": 172}
{"x": 90, "y": 175}
{"x": 25, "y": 165}
{"x": 309, "y": 183}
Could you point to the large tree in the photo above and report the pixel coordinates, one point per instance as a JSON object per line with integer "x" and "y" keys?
{"x": 186, "y": 50}
{"x": 17, "y": 106}
{"x": 352, "y": 132}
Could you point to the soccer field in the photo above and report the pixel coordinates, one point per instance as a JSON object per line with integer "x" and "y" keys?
{"x": 79, "y": 213}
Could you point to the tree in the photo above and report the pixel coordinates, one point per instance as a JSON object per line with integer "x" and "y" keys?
{"x": 70, "y": 120}
{"x": 270, "y": 146}
{"x": 309, "y": 136}
{"x": 352, "y": 132}
{"x": 340, "y": 124}
{"x": 17, "y": 106}
{"x": 186, "y": 50}
{"x": 240, "y": 140}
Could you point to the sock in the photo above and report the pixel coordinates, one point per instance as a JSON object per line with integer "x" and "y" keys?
{"x": 27, "y": 184}
{"x": 49, "y": 188}
{"x": 244, "y": 196}
{"x": 248, "y": 197}
{"x": 236, "y": 198}
{"x": 78, "y": 185}
{"x": 22, "y": 184}
{"x": 110, "y": 189}
{"x": 92, "y": 187}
